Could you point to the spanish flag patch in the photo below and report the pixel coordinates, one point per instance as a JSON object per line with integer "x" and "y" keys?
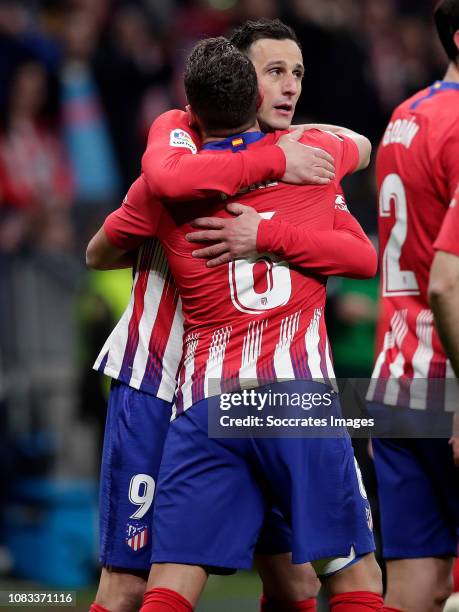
{"x": 237, "y": 142}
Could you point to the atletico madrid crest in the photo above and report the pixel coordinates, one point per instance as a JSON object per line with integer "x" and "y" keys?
{"x": 136, "y": 535}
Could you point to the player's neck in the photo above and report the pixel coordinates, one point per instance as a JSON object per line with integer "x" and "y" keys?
{"x": 212, "y": 136}
{"x": 452, "y": 74}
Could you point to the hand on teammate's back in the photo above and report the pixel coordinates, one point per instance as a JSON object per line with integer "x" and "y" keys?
{"x": 305, "y": 165}
{"x": 232, "y": 238}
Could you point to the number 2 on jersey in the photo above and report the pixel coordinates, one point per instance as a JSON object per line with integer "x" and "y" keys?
{"x": 241, "y": 280}
{"x": 395, "y": 280}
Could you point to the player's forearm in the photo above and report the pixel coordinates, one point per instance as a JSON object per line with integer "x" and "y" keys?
{"x": 181, "y": 176}
{"x": 102, "y": 255}
{"x": 444, "y": 301}
{"x": 362, "y": 142}
{"x": 174, "y": 170}
{"x": 328, "y": 252}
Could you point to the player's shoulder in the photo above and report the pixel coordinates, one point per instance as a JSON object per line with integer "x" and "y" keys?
{"x": 313, "y": 137}
{"x": 427, "y": 115}
{"x": 171, "y": 118}
{"x": 332, "y": 143}
{"x": 412, "y": 102}
{"x": 273, "y": 137}
{"x": 319, "y": 138}
{"x": 138, "y": 192}
{"x": 439, "y": 101}
{"x": 176, "y": 123}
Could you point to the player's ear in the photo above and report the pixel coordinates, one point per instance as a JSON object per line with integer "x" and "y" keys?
{"x": 260, "y": 98}
{"x": 456, "y": 40}
{"x": 192, "y": 119}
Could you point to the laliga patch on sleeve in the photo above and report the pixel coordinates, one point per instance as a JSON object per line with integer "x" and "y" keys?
{"x": 180, "y": 138}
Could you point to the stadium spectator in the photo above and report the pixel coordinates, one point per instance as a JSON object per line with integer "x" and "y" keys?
{"x": 35, "y": 181}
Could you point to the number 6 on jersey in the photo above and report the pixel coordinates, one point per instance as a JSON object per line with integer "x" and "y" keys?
{"x": 241, "y": 280}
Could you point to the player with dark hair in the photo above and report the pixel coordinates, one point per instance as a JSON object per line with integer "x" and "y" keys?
{"x": 193, "y": 477}
{"x": 226, "y": 99}
{"x": 447, "y": 23}
{"x": 244, "y": 36}
{"x": 417, "y": 171}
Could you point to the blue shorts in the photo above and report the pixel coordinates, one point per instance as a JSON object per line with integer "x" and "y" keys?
{"x": 418, "y": 490}
{"x": 135, "y": 433}
{"x": 213, "y": 496}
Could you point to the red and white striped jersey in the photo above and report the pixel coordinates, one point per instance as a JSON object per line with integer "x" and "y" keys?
{"x": 417, "y": 170}
{"x": 249, "y": 322}
{"x": 145, "y": 347}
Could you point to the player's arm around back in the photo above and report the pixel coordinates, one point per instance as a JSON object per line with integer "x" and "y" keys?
{"x": 124, "y": 230}
{"x": 101, "y": 254}
{"x": 343, "y": 251}
{"x": 175, "y": 172}
{"x": 362, "y": 142}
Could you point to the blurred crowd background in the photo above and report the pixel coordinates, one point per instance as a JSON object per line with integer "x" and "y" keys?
{"x": 80, "y": 83}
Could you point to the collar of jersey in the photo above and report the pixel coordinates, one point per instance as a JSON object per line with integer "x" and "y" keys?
{"x": 441, "y": 85}
{"x": 237, "y": 142}
{"x": 434, "y": 89}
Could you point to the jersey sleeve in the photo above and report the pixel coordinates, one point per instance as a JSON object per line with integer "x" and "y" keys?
{"x": 343, "y": 251}
{"x": 174, "y": 171}
{"x": 449, "y": 159}
{"x": 135, "y": 220}
{"x": 342, "y": 148}
{"x": 447, "y": 239}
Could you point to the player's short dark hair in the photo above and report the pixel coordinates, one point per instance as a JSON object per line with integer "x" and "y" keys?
{"x": 249, "y": 32}
{"x": 221, "y": 85}
{"x": 447, "y": 21}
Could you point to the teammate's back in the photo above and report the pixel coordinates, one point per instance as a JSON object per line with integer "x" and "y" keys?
{"x": 417, "y": 170}
{"x": 418, "y": 146}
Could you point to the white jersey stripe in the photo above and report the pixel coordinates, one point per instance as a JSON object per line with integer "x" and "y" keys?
{"x": 251, "y": 350}
{"x": 214, "y": 364}
{"x": 117, "y": 340}
{"x": 389, "y": 343}
{"x": 152, "y": 299}
{"x": 421, "y": 359}
{"x": 282, "y": 359}
{"x": 397, "y": 365}
{"x": 329, "y": 364}
{"x": 312, "y": 339}
{"x": 173, "y": 348}
{"x": 188, "y": 363}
